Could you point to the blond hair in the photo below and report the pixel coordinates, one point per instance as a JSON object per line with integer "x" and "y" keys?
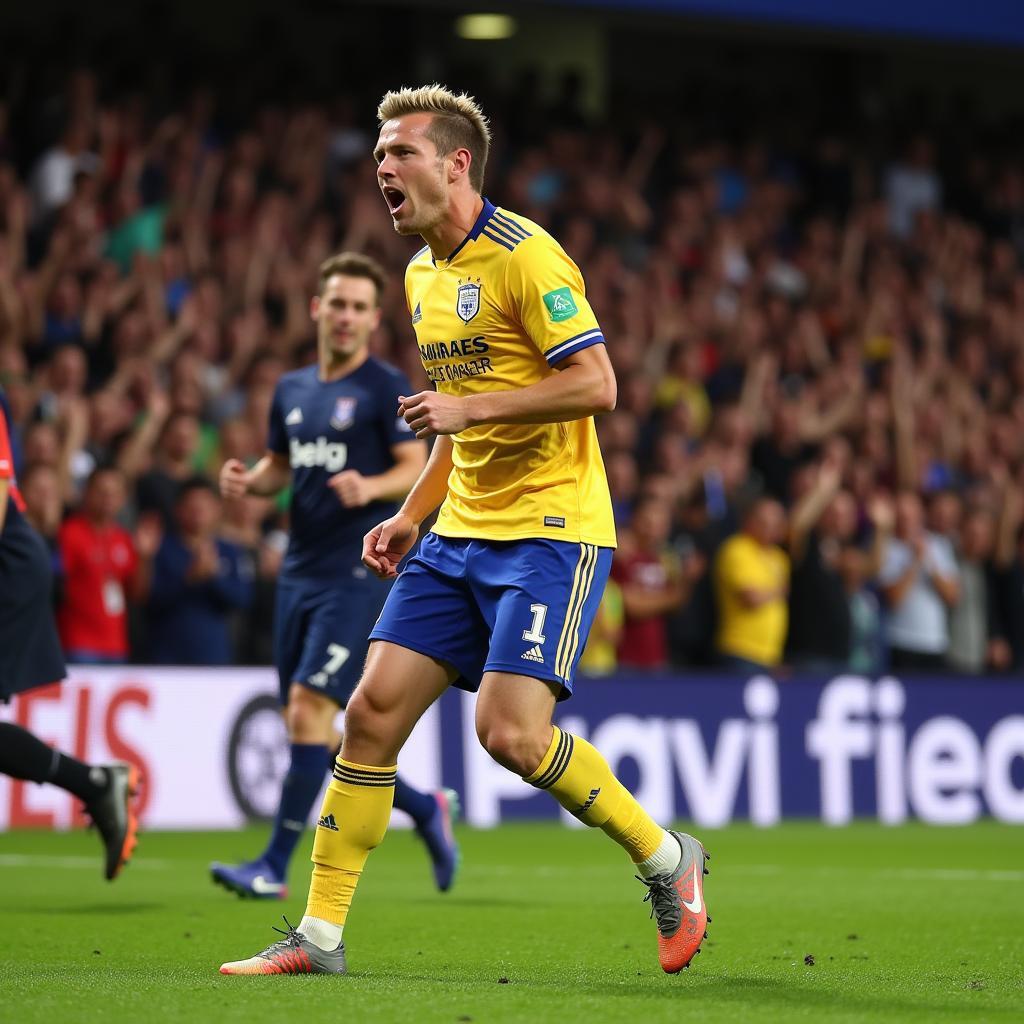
{"x": 458, "y": 122}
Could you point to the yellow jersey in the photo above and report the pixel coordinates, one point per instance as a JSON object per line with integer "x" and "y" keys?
{"x": 758, "y": 634}
{"x": 499, "y": 314}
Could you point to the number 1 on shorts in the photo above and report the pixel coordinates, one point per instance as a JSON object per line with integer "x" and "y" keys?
{"x": 534, "y": 634}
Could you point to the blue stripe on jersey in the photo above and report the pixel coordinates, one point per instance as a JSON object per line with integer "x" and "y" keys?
{"x": 500, "y": 241}
{"x": 513, "y": 227}
{"x": 567, "y": 348}
{"x": 419, "y": 254}
{"x": 479, "y": 224}
{"x": 497, "y": 229}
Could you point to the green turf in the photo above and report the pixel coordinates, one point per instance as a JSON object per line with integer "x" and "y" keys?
{"x": 545, "y": 924}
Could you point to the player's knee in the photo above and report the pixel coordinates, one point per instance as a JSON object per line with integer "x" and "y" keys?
{"x": 309, "y": 716}
{"x": 518, "y": 748}
{"x": 365, "y": 719}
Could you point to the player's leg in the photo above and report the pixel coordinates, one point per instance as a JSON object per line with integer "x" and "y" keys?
{"x": 514, "y": 725}
{"x": 398, "y": 685}
{"x": 298, "y": 653}
{"x": 30, "y": 656}
{"x": 309, "y": 718}
{"x": 428, "y": 633}
{"x": 433, "y": 816}
{"x": 513, "y": 721}
{"x": 106, "y": 790}
{"x": 540, "y": 624}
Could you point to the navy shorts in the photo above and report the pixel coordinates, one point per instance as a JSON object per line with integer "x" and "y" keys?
{"x": 30, "y": 653}
{"x": 522, "y": 606}
{"x": 321, "y": 629}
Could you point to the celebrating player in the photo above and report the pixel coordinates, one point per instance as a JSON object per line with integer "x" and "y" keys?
{"x": 501, "y": 595}
{"x": 30, "y": 656}
{"x": 336, "y": 437}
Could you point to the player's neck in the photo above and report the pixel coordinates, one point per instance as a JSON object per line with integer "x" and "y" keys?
{"x": 448, "y": 235}
{"x": 329, "y": 369}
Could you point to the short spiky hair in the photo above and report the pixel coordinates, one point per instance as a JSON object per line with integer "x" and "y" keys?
{"x": 458, "y": 122}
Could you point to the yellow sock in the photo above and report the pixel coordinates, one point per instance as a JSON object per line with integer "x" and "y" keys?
{"x": 353, "y": 820}
{"x": 579, "y": 778}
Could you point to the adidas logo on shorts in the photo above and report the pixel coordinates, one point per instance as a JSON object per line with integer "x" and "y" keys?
{"x": 327, "y": 821}
{"x": 534, "y": 654}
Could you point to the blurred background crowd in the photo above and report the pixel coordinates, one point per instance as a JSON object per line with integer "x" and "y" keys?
{"x": 817, "y": 323}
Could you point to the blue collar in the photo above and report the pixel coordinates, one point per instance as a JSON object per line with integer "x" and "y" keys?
{"x": 474, "y": 232}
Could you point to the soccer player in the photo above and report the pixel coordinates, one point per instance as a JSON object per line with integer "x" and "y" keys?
{"x": 501, "y": 594}
{"x": 336, "y": 437}
{"x": 30, "y": 656}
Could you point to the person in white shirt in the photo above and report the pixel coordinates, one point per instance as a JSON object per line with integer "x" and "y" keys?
{"x": 920, "y": 583}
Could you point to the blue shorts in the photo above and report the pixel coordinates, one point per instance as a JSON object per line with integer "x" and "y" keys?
{"x": 320, "y": 631}
{"x": 522, "y": 606}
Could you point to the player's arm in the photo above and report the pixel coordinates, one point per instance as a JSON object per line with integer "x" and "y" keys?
{"x": 584, "y": 386}
{"x": 273, "y": 473}
{"x": 268, "y": 477}
{"x": 355, "y": 490}
{"x": 388, "y": 543}
{"x": 543, "y": 291}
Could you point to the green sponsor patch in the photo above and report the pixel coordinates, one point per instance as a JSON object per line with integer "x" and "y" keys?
{"x": 560, "y": 304}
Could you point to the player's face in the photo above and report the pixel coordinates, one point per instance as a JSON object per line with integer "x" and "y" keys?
{"x": 346, "y": 315}
{"x": 411, "y": 174}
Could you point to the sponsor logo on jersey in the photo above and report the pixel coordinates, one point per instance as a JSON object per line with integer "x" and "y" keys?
{"x": 344, "y": 413}
{"x": 295, "y": 416}
{"x": 555, "y": 521}
{"x": 467, "y": 305}
{"x": 433, "y": 350}
{"x": 331, "y": 455}
{"x": 560, "y": 305}
{"x": 417, "y": 314}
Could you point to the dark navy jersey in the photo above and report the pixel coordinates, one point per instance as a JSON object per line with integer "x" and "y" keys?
{"x": 324, "y": 427}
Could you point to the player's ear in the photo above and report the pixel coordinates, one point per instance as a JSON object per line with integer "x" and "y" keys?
{"x": 377, "y": 314}
{"x": 314, "y": 308}
{"x": 459, "y": 161}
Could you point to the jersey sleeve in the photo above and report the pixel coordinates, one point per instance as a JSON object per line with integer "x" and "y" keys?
{"x": 547, "y": 294}
{"x": 277, "y": 436}
{"x": 396, "y": 430}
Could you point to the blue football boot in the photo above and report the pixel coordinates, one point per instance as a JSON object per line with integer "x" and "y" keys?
{"x": 257, "y": 880}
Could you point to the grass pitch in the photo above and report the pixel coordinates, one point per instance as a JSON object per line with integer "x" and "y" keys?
{"x": 544, "y": 924}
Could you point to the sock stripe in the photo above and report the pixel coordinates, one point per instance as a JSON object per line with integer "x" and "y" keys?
{"x": 360, "y": 777}
{"x": 559, "y": 762}
{"x": 383, "y": 784}
{"x": 362, "y": 769}
{"x": 341, "y": 767}
{"x": 540, "y": 780}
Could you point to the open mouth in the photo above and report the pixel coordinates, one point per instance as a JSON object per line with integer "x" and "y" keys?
{"x": 394, "y": 197}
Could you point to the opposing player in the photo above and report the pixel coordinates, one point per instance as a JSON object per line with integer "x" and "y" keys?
{"x": 30, "y": 656}
{"x": 336, "y": 437}
{"x": 502, "y": 592}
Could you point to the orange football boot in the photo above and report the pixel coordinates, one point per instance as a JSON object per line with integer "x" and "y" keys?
{"x": 677, "y": 903}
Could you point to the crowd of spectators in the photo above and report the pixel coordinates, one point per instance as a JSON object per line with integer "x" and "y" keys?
{"x": 817, "y": 458}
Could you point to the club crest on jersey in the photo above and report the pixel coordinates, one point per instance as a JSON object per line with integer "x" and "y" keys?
{"x": 467, "y": 304}
{"x": 344, "y": 413}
